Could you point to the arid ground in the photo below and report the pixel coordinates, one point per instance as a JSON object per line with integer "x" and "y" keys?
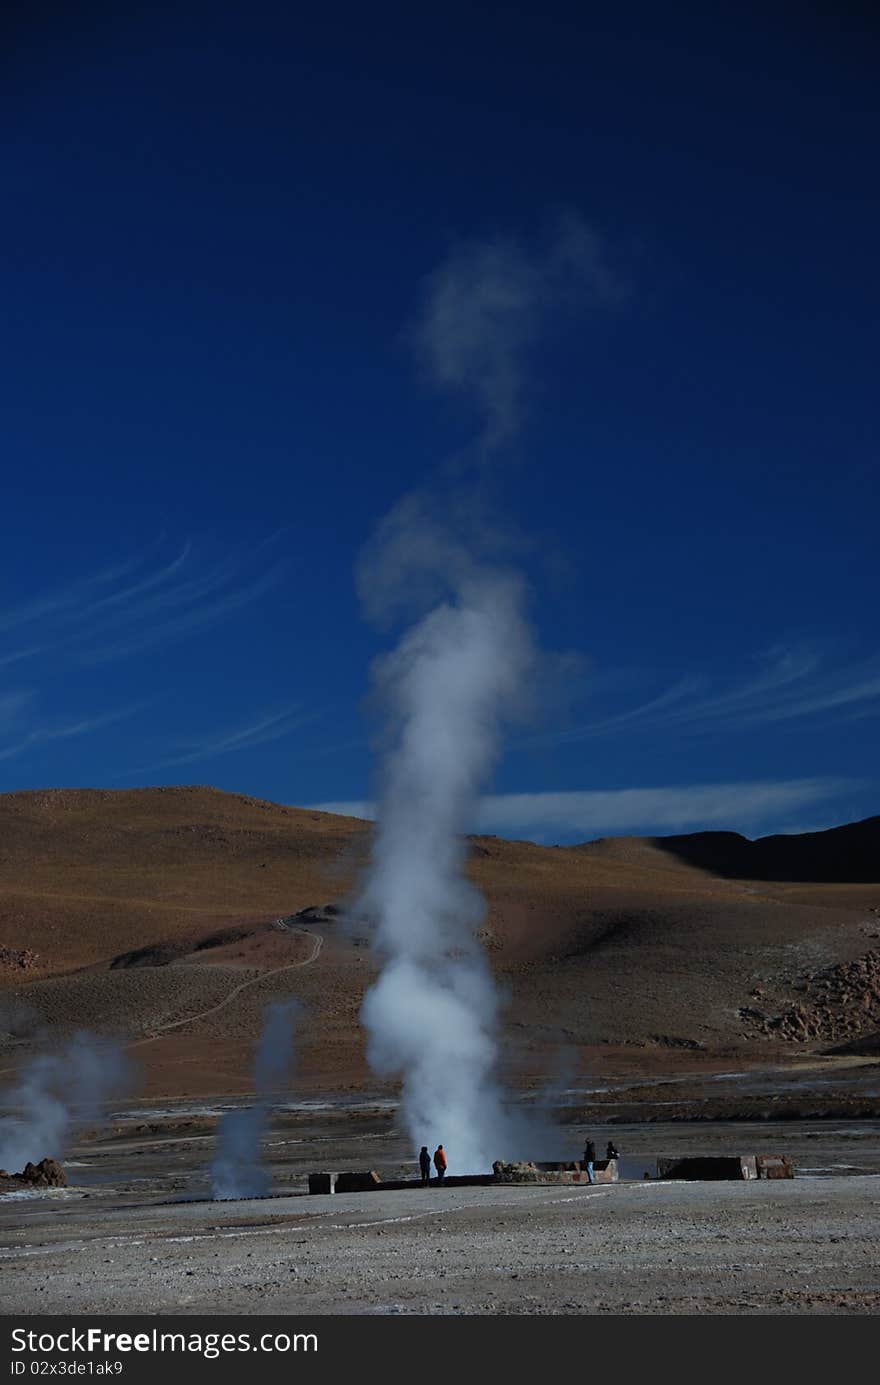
{"x": 135, "y": 1234}
{"x": 699, "y": 994}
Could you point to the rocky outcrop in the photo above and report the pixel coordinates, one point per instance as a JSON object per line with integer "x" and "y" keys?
{"x": 839, "y": 1003}
{"x": 18, "y": 958}
{"x": 47, "y": 1174}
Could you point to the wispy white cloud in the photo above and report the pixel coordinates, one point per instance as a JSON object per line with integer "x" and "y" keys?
{"x": 859, "y": 697}
{"x": 736, "y": 806}
{"x": 71, "y": 597}
{"x": 43, "y": 735}
{"x": 156, "y": 578}
{"x": 790, "y": 685}
{"x": 746, "y": 807}
{"x": 657, "y": 708}
{"x": 265, "y": 729}
{"x": 201, "y": 616}
{"x": 102, "y": 617}
{"x": 347, "y": 808}
{"x": 118, "y": 612}
{"x": 12, "y": 705}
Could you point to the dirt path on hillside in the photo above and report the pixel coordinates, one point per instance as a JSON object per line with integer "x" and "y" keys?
{"x": 317, "y": 941}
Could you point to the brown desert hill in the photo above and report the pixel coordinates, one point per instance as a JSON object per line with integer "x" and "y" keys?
{"x": 170, "y": 916}
{"x": 87, "y": 874}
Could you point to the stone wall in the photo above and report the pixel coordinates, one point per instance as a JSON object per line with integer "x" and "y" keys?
{"x": 531, "y": 1171}
{"x": 709, "y": 1168}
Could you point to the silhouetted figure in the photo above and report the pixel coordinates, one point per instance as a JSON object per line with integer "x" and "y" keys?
{"x": 425, "y": 1165}
{"x": 440, "y": 1163}
{"x": 589, "y": 1159}
{"x": 611, "y": 1151}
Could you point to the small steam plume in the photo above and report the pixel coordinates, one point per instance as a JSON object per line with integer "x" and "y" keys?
{"x": 56, "y": 1095}
{"x": 237, "y": 1170}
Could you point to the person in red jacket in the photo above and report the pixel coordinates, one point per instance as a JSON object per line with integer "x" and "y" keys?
{"x": 440, "y": 1162}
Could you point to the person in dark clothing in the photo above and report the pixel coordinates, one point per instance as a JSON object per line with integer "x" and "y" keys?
{"x": 589, "y": 1158}
{"x": 440, "y": 1162}
{"x": 425, "y": 1165}
{"x": 611, "y": 1151}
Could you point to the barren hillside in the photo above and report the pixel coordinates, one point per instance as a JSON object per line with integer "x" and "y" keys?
{"x": 170, "y": 915}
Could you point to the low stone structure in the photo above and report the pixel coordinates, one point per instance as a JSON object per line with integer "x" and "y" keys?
{"x": 367, "y": 1181}
{"x": 532, "y": 1171}
{"x": 358, "y": 1181}
{"x": 363, "y": 1181}
{"x": 737, "y": 1167}
{"x": 703, "y": 1168}
{"x": 322, "y": 1182}
{"x": 774, "y": 1166}
{"x": 714, "y": 1168}
{"x": 524, "y": 1171}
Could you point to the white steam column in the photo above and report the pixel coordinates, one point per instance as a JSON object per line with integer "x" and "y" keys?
{"x": 447, "y": 689}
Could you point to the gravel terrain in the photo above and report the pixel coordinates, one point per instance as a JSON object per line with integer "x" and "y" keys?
{"x": 809, "y": 1245}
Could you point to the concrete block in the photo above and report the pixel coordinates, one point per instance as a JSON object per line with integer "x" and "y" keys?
{"x": 709, "y": 1168}
{"x": 362, "y": 1181}
{"x": 605, "y": 1171}
{"x": 774, "y": 1166}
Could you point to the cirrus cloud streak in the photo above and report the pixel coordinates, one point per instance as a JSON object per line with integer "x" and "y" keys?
{"x": 749, "y": 807}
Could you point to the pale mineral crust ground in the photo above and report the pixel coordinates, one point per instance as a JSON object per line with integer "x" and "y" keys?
{"x": 135, "y": 1233}
{"x": 764, "y": 1248}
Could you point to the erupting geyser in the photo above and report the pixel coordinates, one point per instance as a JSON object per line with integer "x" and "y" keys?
{"x": 431, "y": 1016}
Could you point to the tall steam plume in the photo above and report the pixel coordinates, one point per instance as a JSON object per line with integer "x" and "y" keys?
{"x": 237, "y": 1170}
{"x": 431, "y": 1015}
{"x": 447, "y": 691}
{"x": 58, "y": 1094}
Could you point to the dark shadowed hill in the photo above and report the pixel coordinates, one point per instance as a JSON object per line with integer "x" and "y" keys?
{"x": 839, "y": 855}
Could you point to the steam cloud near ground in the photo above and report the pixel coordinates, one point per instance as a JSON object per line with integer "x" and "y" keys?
{"x": 58, "y": 1094}
{"x": 237, "y": 1170}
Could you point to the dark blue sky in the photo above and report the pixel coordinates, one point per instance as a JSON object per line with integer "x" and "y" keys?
{"x": 219, "y": 229}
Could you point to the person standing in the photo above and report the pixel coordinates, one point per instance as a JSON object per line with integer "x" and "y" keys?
{"x": 589, "y": 1159}
{"x": 440, "y": 1162}
{"x": 425, "y": 1165}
